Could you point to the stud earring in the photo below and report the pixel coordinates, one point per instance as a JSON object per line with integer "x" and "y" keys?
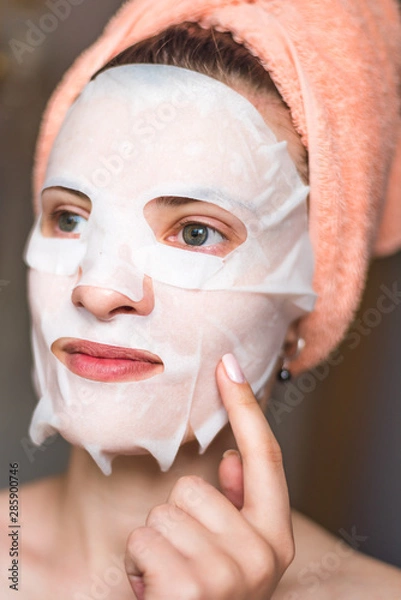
{"x": 284, "y": 373}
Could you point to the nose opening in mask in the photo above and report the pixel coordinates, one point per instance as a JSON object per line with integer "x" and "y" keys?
{"x": 105, "y": 302}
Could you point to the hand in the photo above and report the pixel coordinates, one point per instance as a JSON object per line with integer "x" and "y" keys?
{"x": 207, "y": 545}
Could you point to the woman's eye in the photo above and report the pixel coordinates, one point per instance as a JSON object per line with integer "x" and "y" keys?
{"x": 69, "y": 222}
{"x": 198, "y": 234}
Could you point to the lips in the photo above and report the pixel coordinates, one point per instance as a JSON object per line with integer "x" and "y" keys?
{"x": 101, "y": 362}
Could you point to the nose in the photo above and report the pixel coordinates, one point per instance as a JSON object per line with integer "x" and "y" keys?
{"x": 105, "y": 303}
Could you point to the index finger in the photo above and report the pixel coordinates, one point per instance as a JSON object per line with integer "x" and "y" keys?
{"x": 266, "y": 503}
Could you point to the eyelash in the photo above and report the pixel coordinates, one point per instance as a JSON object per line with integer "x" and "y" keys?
{"x": 184, "y": 222}
{"x": 57, "y": 213}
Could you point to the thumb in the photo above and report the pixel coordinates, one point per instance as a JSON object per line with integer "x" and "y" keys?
{"x": 231, "y": 478}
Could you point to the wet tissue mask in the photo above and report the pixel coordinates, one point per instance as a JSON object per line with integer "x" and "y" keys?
{"x": 138, "y": 133}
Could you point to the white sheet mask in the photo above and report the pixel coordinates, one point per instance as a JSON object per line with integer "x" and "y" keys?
{"x": 137, "y": 133}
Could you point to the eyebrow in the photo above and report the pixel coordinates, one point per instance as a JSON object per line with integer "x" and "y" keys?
{"x": 70, "y": 190}
{"x": 173, "y": 201}
{"x": 77, "y": 193}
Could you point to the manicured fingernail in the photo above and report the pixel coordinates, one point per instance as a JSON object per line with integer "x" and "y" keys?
{"x": 233, "y": 369}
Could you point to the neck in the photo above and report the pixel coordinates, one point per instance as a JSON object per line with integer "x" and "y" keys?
{"x": 99, "y": 512}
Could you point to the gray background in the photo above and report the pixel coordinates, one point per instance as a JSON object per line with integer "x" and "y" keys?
{"x": 340, "y": 436}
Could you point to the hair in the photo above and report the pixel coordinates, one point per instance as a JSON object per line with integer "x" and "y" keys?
{"x": 206, "y": 51}
{"x": 211, "y": 53}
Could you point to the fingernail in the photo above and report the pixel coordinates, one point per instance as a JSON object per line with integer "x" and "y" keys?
{"x": 233, "y": 369}
{"x": 231, "y": 452}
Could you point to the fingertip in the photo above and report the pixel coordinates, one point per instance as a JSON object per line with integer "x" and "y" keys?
{"x": 230, "y": 461}
{"x": 231, "y": 453}
{"x": 232, "y": 368}
{"x": 231, "y": 477}
{"x": 138, "y": 586}
{"x": 233, "y": 387}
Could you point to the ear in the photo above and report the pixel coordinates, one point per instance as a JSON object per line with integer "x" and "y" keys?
{"x": 291, "y": 340}
{"x": 290, "y": 345}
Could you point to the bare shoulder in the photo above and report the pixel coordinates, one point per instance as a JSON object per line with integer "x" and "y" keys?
{"x": 25, "y": 515}
{"x": 327, "y": 567}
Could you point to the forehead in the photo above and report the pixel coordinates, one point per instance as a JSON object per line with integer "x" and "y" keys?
{"x": 158, "y": 125}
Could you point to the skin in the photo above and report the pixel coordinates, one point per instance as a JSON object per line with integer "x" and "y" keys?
{"x": 213, "y": 526}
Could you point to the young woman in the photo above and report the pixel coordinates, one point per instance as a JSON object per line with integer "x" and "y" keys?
{"x": 173, "y": 232}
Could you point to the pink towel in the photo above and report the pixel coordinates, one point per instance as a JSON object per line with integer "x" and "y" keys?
{"x": 337, "y": 64}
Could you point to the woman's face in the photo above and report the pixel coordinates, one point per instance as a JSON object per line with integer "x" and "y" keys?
{"x": 173, "y": 230}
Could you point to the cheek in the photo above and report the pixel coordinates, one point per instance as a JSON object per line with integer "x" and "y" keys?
{"x": 250, "y": 321}
{"x": 241, "y": 311}
{"x": 211, "y": 323}
{"x": 48, "y": 292}
{"x": 178, "y": 319}
{"x": 252, "y": 326}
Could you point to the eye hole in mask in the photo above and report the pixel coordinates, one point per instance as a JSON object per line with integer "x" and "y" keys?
{"x": 194, "y": 225}
{"x": 65, "y": 212}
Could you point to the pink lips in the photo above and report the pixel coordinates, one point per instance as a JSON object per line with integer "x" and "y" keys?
{"x": 101, "y": 362}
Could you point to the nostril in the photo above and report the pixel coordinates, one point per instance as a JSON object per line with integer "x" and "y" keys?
{"x": 122, "y": 309}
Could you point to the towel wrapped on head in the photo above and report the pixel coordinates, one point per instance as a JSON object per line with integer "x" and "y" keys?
{"x": 337, "y": 64}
